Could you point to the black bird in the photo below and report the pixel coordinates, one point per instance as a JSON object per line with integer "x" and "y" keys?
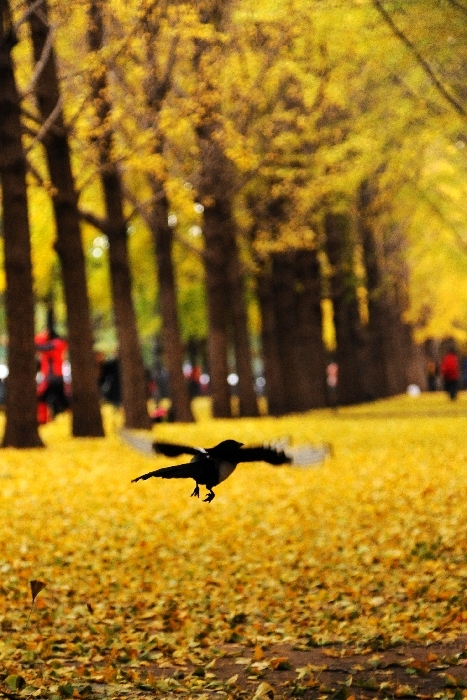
{"x": 211, "y": 466}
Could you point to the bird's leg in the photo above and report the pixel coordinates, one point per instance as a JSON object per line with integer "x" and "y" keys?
{"x": 196, "y": 491}
{"x": 209, "y": 497}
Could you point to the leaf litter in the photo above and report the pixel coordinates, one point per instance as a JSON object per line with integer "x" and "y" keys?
{"x": 142, "y": 589}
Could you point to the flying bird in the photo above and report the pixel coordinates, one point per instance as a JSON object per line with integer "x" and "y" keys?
{"x": 209, "y": 467}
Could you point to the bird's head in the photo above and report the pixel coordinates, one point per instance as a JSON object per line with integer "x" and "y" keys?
{"x": 227, "y": 449}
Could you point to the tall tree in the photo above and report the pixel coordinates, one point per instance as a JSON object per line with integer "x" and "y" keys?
{"x": 21, "y": 403}
{"x": 133, "y": 381}
{"x": 390, "y": 338}
{"x": 87, "y": 419}
{"x": 217, "y": 188}
{"x": 158, "y": 83}
{"x": 351, "y": 355}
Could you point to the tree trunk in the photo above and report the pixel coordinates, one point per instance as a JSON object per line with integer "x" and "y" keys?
{"x": 286, "y": 319}
{"x": 243, "y": 359}
{"x": 134, "y": 389}
{"x": 391, "y": 341}
{"x": 21, "y": 403}
{"x": 171, "y": 341}
{"x": 310, "y": 327}
{"x": 296, "y": 284}
{"x": 349, "y": 332}
{"x": 377, "y": 383}
{"x": 270, "y": 346}
{"x": 215, "y": 199}
{"x": 87, "y": 419}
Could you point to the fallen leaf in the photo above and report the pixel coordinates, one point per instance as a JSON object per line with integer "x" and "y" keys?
{"x": 281, "y": 663}
{"x": 36, "y": 588}
{"x": 264, "y": 690}
{"x": 15, "y": 682}
{"x": 258, "y": 653}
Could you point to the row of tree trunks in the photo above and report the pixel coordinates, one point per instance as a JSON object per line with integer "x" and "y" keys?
{"x": 351, "y": 352}
{"x": 241, "y": 336}
{"x": 224, "y": 278}
{"x": 227, "y": 314}
{"x": 133, "y": 381}
{"x": 158, "y": 84}
{"x": 171, "y": 340}
{"x": 87, "y": 419}
{"x": 289, "y": 292}
{"x": 395, "y": 361}
{"x": 21, "y": 408}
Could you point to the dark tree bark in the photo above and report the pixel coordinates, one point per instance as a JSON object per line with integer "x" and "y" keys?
{"x": 171, "y": 341}
{"x": 393, "y": 351}
{"x": 87, "y": 419}
{"x": 157, "y": 87}
{"x": 283, "y": 285}
{"x": 133, "y": 381}
{"x": 312, "y": 356}
{"x": 224, "y": 281}
{"x": 273, "y": 372}
{"x": 294, "y": 356}
{"x": 350, "y": 337}
{"x": 243, "y": 359}
{"x": 216, "y": 213}
{"x": 303, "y": 372}
{"x": 21, "y": 402}
{"x": 378, "y": 329}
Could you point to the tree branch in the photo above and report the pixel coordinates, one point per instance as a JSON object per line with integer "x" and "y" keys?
{"x": 31, "y": 9}
{"x": 40, "y": 65}
{"x": 47, "y": 125}
{"x": 458, "y": 6}
{"x": 143, "y": 211}
{"x": 96, "y": 221}
{"x": 420, "y": 60}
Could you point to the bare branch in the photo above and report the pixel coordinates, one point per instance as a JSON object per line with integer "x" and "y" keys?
{"x": 48, "y": 124}
{"x": 458, "y": 5}
{"x": 420, "y": 60}
{"x": 143, "y": 209}
{"x": 461, "y": 241}
{"x": 96, "y": 221}
{"x": 40, "y": 65}
{"x": 38, "y": 177}
{"x": 31, "y": 9}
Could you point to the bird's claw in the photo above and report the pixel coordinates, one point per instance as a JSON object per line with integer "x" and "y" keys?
{"x": 196, "y": 491}
{"x": 211, "y": 495}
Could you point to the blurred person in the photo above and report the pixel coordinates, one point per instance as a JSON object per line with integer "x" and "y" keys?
{"x": 109, "y": 381}
{"x": 432, "y": 374}
{"x": 51, "y": 394}
{"x": 332, "y": 377}
{"x": 450, "y": 372}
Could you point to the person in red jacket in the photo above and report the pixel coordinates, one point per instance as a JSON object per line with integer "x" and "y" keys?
{"x": 450, "y": 372}
{"x": 51, "y": 390}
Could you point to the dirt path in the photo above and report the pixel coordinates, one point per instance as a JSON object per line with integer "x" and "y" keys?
{"x": 284, "y": 671}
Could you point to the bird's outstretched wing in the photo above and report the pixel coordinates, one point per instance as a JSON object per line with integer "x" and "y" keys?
{"x": 299, "y": 456}
{"x": 140, "y": 443}
{"x": 264, "y": 454}
{"x": 307, "y": 455}
{"x": 147, "y": 446}
{"x": 191, "y": 470}
{"x": 170, "y": 449}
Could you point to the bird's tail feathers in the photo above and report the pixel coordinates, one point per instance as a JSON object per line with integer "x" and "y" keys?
{"x": 179, "y": 471}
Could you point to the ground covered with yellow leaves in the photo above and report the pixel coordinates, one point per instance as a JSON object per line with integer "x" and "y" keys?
{"x": 149, "y": 591}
